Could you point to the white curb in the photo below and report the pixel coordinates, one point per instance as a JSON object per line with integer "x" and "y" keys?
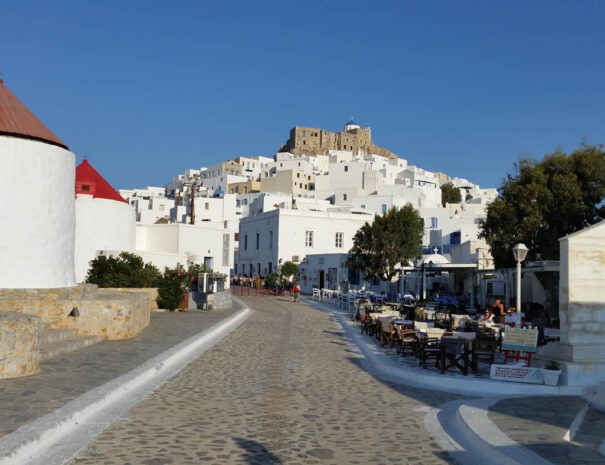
{"x": 56, "y": 437}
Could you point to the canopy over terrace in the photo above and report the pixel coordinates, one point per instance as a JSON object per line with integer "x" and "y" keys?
{"x": 459, "y": 271}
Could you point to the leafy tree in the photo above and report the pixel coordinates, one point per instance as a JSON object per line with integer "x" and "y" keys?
{"x": 392, "y": 240}
{"x": 289, "y": 269}
{"x": 270, "y": 279}
{"x": 125, "y": 270}
{"x": 450, "y": 194}
{"x": 544, "y": 201}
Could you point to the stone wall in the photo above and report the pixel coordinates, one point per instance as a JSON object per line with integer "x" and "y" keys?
{"x": 219, "y": 300}
{"x": 112, "y": 313}
{"x": 311, "y": 141}
{"x": 19, "y": 335}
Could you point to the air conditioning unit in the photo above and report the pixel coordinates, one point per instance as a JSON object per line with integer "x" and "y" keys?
{"x": 295, "y": 258}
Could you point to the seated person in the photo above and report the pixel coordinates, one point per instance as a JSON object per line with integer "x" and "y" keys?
{"x": 513, "y": 317}
{"x": 487, "y": 316}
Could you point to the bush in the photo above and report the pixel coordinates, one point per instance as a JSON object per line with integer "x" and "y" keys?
{"x": 176, "y": 282}
{"x": 552, "y": 365}
{"x": 125, "y": 270}
{"x": 270, "y": 279}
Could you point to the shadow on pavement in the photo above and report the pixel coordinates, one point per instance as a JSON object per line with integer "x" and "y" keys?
{"x": 256, "y": 453}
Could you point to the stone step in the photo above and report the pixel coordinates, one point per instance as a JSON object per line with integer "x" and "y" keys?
{"x": 67, "y": 345}
{"x": 50, "y": 336}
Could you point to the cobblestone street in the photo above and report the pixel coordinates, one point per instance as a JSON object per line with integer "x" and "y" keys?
{"x": 285, "y": 387}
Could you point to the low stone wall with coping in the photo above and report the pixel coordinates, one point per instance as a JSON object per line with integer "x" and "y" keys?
{"x": 19, "y": 334}
{"x": 112, "y": 313}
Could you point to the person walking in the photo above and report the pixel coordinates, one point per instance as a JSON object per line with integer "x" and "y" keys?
{"x": 296, "y": 293}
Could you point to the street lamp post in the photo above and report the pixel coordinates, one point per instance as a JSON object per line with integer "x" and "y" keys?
{"x": 520, "y": 252}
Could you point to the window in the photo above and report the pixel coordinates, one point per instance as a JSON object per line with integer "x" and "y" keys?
{"x": 363, "y": 206}
{"x": 298, "y": 175}
{"x": 235, "y": 271}
{"x": 245, "y": 241}
{"x": 251, "y": 270}
{"x": 258, "y": 268}
{"x": 161, "y": 208}
{"x": 304, "y": 133}
{"x": 339, "y": 240}
{"x": 384, "y": 208}
{"x": 225, "y": 224}
{"x": 270, "y": 242}
{"x": 455, "y": 238}
{"x": 308, "y": 238}
{"x": 344, "y": 196}
{"x": 270, "y": 267}
{"x": 85, "y": 187}
{"x": 346, "y": 169}
{"x": 257, "y": 240}
{"x": 207, "y": 206}
{"x": 434, "y": 223}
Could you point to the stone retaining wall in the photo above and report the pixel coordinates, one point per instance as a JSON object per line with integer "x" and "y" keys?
{"x": 19, "y": 335}
{"x": 112, "y": 313}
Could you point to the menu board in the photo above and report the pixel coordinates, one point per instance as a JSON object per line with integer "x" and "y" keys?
{"x": 525, "y": 340}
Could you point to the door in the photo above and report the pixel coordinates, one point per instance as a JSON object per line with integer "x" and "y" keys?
{"x": 321, "y": 279}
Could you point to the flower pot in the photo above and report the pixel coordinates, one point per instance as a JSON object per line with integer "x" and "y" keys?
{"x": 551, "y": 377}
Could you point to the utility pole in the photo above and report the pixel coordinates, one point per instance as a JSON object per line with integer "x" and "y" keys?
{"x": 193, "y": 188}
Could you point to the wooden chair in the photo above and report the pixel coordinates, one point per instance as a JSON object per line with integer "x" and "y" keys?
{"x": 407, "y": 341}
{"x": 454, "y": 351}
{"x": 484, "y": 350}
{"x": 365, "y": 320}
{"x": 387, "y": 331}
{"x": 428, "y": 348}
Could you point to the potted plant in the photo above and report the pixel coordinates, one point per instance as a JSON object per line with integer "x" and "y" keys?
{"x": 550, "y": 373}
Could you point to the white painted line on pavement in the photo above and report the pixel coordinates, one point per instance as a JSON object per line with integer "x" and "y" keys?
{"x": 55, "y": 438}
{"x": 570, "y": 434}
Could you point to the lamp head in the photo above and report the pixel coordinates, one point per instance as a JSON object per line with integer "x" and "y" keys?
{"x": 520, "y": 252}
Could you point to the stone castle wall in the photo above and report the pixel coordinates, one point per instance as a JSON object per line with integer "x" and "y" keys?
{"x": 311, "y": 141}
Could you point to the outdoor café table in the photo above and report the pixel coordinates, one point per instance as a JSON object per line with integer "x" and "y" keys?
{"x": 394, "y": 305}
{"x": 407, "y": 324}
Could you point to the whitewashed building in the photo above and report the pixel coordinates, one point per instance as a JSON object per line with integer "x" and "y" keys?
{"x": 37, "y": 170}
{"x": 272, "y": 238}
{"x": 104, "y": 220}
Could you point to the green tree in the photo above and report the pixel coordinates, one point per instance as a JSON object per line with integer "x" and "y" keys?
{"x": 543, "y": 201}
{"x": 392, "y": 240}
{"x": 125, "y": 270}
{"x": 289, "y": 269}
{"x": 450, "y": 194}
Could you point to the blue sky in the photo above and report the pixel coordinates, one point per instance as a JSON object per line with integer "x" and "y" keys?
{"x": 148, "y": 89}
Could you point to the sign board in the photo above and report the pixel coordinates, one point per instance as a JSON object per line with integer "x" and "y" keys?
{"x": 524, "y": 340}
{"x": 516, "y": 374}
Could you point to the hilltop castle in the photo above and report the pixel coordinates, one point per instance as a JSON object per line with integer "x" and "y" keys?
{"x": 313, "y": 141}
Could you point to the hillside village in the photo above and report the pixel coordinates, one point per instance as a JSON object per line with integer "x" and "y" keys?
{"x": 248, "y": 215}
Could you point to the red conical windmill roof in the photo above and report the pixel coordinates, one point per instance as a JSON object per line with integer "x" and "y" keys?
{"x": 17, "y": 121}
{"x": 89, "y": 181}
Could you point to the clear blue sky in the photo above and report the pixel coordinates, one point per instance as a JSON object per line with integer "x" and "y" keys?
{"x": 147, "y": 89}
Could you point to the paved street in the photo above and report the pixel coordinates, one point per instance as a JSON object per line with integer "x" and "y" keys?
{"x": 68, "y": 376}
{"x": 285, "y": 387}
